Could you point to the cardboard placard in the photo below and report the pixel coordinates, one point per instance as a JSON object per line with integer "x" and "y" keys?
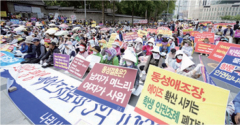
{"x": 199, "y": 37}
{"x": 61, "y": 61}
{"x": 171, "y": 98}
{"x": 78, "y": 67}
{"x": 220, "y": 50}
{"x": 109, "y": 85}
{"x": 228, "y": 69}
{"x": 204, "y": 48}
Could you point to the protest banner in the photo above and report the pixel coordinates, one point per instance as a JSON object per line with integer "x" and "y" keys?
{"x": 228, "y": 70}
{"x": 224, "y": 25}
{"x": 205, "y": 75}
{"x": 5, "y": 47}
{"x": 165, "y": 33}
{"x": 28, "y": 24}
{"x": 193, "y": 33}
{"x": 141, "y": 33}
{"x": 78, "y": 67}
{"x": 220, "y": 51}
{"x": 8, "y": 58}
{"x": 50, "y": 91}
{"x": 33, "y": 19}
{"x": 140, "y": 21}
{"x": 130, "y": 36}
{"x": 204, "y": 48}
{"x": 109, "y": 85}
{"x": 185, "y": 31}
{"x": 171, "y": 98}
{"x": 61, "y": 61}
{"x": 199, "y": 37}
{"x": 206, "y": 23}
{"x": 15, "y": 21}
{"x": 111, "y": 40}
{"x": 3, "y": 14}
{"x": 10, "y": 48}
{"x": 152, "y": 30}
{"x": 93, "y": 24}
{"x": 163, "y": 28}
{"x": 104, "y": 29}
{"x": 237, "y": 34}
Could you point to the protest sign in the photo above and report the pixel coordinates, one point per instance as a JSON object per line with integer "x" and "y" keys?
{"x": 193, "y": 33}
{"x": 112, "y": 39}
{"x": 152, "y": 30}
{"x": 141, "y": 33}
{"x": 237, "y": 34}
{"x": 204, "y": 48}
{"x": 93, "y": 59}
{"x": 228, "y": 70}
{"x": 130, "y": 36}
{"x": 28, "y": 24}
{"x": 109, "y": 85}
{"x": 171, "y": 98}
{"x": 15, "y": 21}
{"x": 78, "y": 67}
{"x": 224, "y": 25}
{"x": 185, "y": 31}
{"x": 7, "y": 58}
{"x": 220, "y": 51}
{"x": 143, "y": 21}
{"x": 165, "y": 33}
{"x": 61, "y": 61}
{"x": 205, "y": 75}
{"x": 73, "y": 17}
{"x": 163, "y": 28}
{"x": 10, "y": 48}
{"x": 33, "y": 19}
{"x": 50, "y": 91}
{"x": 93, "y": 24}
{"x": 3, "y": 14}
{"x": 199, "y": 37}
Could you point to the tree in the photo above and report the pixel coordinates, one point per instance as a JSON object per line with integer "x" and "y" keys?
{"x": 103, "y": 14}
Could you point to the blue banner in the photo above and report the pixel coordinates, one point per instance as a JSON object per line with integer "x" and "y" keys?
{"x": 8, "y": 58}
{"x": 15, "y": 21}
{"x": 228, "y": 70}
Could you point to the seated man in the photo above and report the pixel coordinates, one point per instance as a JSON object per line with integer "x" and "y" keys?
{"x": 31, "y": 53}
{"x": 40, "y": 51}
{"x": 47, "y": 59}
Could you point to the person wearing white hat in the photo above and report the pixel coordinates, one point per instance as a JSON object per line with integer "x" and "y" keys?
{"x": 31, "y": 53}
{"x": 130, "y": 60}
{"x": 171, "y": 42}
{"x": 228, "y": 32}
{"x": 139, "y": 45}
{"x": 187, "y": 48}
{"x": 69, "y": 50}
{"x": 185, "y": 66}
{"x": 147, "y": 48}
{"x": 116, "y": 46}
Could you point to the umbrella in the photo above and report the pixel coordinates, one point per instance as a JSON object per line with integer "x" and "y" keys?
{"x": 21, "y": 28}
{"x": 52, "y": 24}
{"x": 51, "y": 31}
{"x": 62, "y": 32}
{"x": 76, "y": 28}
{"x": 63, "y": 25}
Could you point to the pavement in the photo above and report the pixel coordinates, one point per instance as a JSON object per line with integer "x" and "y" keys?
{"x": 10, "y": 114}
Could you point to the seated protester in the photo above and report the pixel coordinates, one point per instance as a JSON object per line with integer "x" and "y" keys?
{"x": 31, "y": 53}
{"x": 138, "y": 46}
{"x": 170, "y": 57}
{"x": 147, "y": 48}
{"x": 54, "y": 39}
{"x": 47, "y": 59}
{"x": 23, "y": 47}
{"x": 164, "y": 46}
{"x": 82, "y": 50}
{"x": 111, "y": 58}
{"x": 40, "y": 51}
{"x": 130, "y": 61}
{"x": 187, "y": 48}
{"x": 153, "y": 59}
{"x": 15, "y": 39}
{"x": 69, "y": 50}
{"x": 171, "y": 42}
{"x": 116, "y": 46}
{"x": 96, "y": 51}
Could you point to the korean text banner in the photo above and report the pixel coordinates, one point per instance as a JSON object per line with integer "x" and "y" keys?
{"x": 204, "y": 48}
{"x": 199, "y": 37}
{"x": 152, "y": 30}
{"x": 15, "y": 21}
{"x": 109, "y": 85}
{"x": 112, "y": 39}
{"x": 141, "y": 33}
{"x": 130, "y": 36}
{"x": 229, "y": 69}
{"x": 140, "y": 21}
{"x": 170, "y": 98}
{"x": 163, "y": 28}
{"x": 193, "y": 33}
{"x": 7, "y": 58}
{"x": 61, "y": 61}
{"x": 78, "y": 67}
{"x": 220, "y": 51}
{"x": 165, "y": 33}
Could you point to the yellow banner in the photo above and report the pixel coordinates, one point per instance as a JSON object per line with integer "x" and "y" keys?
{"x": 141, "y": 33}
{"x": 112, "y": 39}
{"x": 187, "y": 30}
{"x": 166, "y": 33}
{"x": 93, "y": 25}
{"x": 170, "y": 98}
{"x": 3, "y": 14}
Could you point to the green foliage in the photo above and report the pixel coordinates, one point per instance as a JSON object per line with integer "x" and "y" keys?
{"x": 228, "y": 17}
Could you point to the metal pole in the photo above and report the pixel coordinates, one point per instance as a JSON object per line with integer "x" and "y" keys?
{"x": 85, "y": 9}
{"x": 178, "y": 8}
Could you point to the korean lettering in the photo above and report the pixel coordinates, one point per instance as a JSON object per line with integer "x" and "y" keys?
{"x": 98, "y": 77}
{"x": 50, "y": 119}
{"x": 152, "y": 89}
{"x": 172, "y": 97}
{"x": 117, "y": 95}
{"x": 116, "y": 83}
{"x": 114, "y": 71}
{"x": 94, "y": 88}
{"x": 187, "y": 120}
{"x": 166, "y": 111}
{"x": 191, "y": 104}
{"x": 148, "y": 102}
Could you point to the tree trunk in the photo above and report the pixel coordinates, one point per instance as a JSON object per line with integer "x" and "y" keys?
{"x": 103, "y": 14}
{"x": 113, "y": 12}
